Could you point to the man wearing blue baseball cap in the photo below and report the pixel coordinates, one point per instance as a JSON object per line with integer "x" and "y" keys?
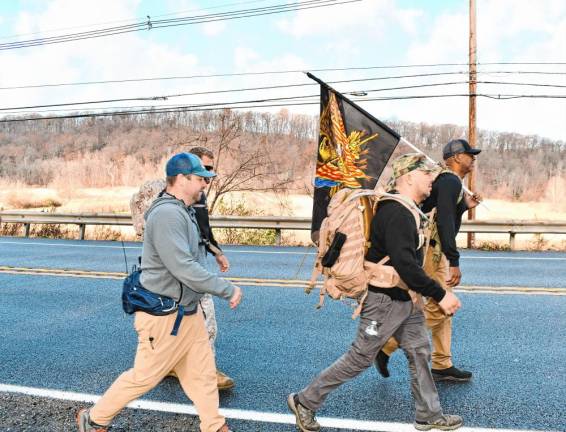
{"x": 442, "y": 261}
{"x": 140, "y": 203}
{"x": 173, "y": 265}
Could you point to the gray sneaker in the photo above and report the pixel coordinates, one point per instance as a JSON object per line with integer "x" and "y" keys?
{"x": 446, "y": 423}
{"x": 86, "y": 425}
{"x": 306, "y": 420}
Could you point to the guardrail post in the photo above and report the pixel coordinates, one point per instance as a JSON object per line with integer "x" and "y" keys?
{"x": 82, "y": 231}
{"x": 512, "y": 240}
{"x": 27, "y": 228}
{"x": 278, "y": 236}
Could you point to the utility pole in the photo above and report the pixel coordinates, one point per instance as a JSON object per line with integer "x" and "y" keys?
{"x": 472, "y": 107}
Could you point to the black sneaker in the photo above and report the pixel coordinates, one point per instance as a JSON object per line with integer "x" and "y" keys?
{"x": 381, "y": 362}
{"x": 306, "y": 420}
{"x": 451, "y": 374}
{"x": 446, "y": 423}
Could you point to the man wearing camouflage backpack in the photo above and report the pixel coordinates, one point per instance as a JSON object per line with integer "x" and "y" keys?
{"x": 388, "y": 312}
{"x": 442, "y": 262}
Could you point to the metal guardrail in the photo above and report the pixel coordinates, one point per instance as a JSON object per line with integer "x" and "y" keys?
{"x": 28, "y": 218}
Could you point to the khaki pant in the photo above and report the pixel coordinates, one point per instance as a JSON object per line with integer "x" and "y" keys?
{"x": 436, "y": 320}
{"x": 188, "y": 354}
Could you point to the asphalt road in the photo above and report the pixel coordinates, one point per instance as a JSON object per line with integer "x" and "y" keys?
{"x": 69, "y": 333}
{"x": 519, "y": 269}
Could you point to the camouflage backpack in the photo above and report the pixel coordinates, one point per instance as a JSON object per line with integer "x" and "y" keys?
{"x": 343, "y": 243}
{"x": 141, "y": 201}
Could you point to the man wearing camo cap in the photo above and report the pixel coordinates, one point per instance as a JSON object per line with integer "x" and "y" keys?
{"x": 449, "y": 202}
{"x": 142, "y": 200}
{"x": 388, "y": 312}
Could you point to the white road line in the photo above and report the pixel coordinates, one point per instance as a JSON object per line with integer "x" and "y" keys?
{"x": 70, "y": 245}
{"x": 256, "y": 416}
{"x": 514, "y": 258}
{"x": 248, "y": 251}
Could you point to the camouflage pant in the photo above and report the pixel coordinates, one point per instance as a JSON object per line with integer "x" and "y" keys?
{"x": 208, "y": 308}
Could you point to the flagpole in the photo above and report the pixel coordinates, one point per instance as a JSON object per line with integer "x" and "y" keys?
{"x": 468, "y": 191}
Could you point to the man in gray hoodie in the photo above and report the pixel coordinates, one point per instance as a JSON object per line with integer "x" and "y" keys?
{"x": 173, "y": 265}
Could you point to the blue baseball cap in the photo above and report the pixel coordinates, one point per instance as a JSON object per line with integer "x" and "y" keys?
{"x": 187, "y": 163}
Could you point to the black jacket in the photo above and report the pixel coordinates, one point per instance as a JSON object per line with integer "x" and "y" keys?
{"x": 444, "y": 196}
{"x": 203, "y": 220}
{"x": 394, "y": 233}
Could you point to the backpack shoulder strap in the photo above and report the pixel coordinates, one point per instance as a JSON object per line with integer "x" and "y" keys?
{"x": 409, "y": 205}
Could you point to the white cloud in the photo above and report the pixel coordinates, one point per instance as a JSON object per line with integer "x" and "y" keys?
{"x": 191, "y": 8}
{"x": 133, "y": 55}
{"x": 244, "y": 57}
{"x": 408, "y": 19}
{"x": 508, "y": 31}
{"x": 213, "y": 28}
{"x": 446, "y": 43}
{"x": 247, "y": 60}
{"x": 350, "y": 31}
{"x": 345, "y": 49}
{"x": 362, "y": 16}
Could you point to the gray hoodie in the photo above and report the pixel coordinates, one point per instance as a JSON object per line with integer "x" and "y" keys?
{"x": 174, "y": 257}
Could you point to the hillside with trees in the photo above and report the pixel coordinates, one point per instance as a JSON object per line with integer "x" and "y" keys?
{"x": 255, "y": 151}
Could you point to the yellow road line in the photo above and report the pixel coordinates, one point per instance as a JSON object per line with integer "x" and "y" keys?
{"x": 280, "y": 283}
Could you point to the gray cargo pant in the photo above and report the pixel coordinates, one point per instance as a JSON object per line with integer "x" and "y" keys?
{"x": 392, "y": 318}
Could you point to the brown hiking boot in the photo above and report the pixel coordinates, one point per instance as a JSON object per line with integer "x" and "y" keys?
{"x": 381, "y": 362}
{"x": 86, "y": 425}
{"x": 225, "y": 428}
{"x": 224, "y": 381}
{"x": 306, "y": 420}
{"x": 445, "y": 423}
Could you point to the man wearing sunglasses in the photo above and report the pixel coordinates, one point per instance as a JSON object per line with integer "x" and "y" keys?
{"x": 141, "y": 201}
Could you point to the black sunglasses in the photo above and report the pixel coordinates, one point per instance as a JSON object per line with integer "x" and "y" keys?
{"x": 208, "y": 167}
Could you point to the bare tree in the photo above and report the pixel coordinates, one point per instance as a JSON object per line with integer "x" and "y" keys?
{"x": 243, "y": 166}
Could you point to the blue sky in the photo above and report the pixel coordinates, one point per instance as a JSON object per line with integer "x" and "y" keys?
{"x": 362, "y": 34}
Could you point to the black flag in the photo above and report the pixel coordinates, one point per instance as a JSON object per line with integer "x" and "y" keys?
{"x": 353, "y": 149}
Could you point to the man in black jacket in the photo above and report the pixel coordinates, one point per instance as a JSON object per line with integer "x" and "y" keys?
{"x": 442, "y": 262}
{"x": 390, "y": 312}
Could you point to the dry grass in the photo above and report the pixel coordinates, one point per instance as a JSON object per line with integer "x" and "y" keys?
{"x": 116, "y": 200}
{"x": 11, "y": 230}
{"x": 110, "y": 233}
{"x": 39, "y": 199}
{"x": 491, "y": 245}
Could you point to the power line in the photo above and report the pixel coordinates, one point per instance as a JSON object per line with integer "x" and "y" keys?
{"x": 284, "y": 86}
{"x": 221, "y": 75}
{"x": 353, "y": 92}
{"x": 240, "y": 3}
{"x": 266, "y": 103}
{"x": 164, "y": 23}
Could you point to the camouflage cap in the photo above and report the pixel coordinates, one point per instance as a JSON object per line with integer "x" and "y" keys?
{"x": 405, "y": 164}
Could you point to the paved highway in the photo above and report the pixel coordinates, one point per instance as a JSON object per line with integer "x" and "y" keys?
{"x": 67, "y": 333}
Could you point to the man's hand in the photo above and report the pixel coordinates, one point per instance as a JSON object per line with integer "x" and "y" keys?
{"x": 450, "y": 303}
{"x": 472, "y": 200}
{"x": 454, "y": 276}
{"x": 236, "y": 298}
{"x": 223, "y": 263}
